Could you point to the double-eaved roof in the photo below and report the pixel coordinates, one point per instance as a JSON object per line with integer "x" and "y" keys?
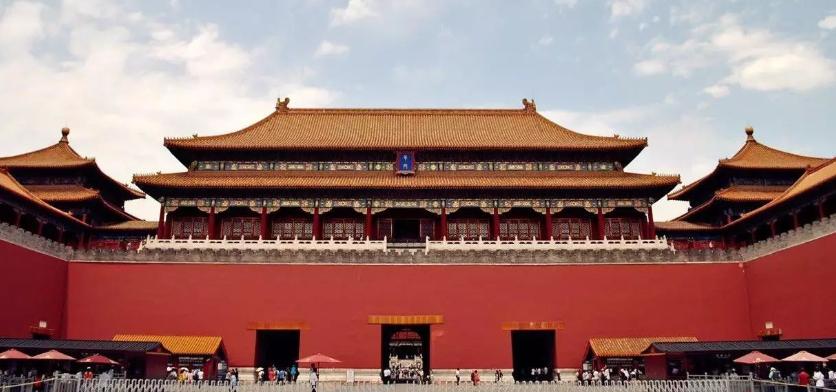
{"x": 61, "y": 156}
{"x": 292, "y": 129}
{"x": 752, "y": 156}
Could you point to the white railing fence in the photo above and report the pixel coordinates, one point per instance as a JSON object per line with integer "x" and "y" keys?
{"x": 550, "y": 244}
{"x": 141, "y": 385}
{"x": 262, "y": 244}
{"x": 429, "y": 245}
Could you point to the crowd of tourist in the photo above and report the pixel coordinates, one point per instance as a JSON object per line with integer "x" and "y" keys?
{"x": 607, "y": 374}
{"x": 278, "y": 375}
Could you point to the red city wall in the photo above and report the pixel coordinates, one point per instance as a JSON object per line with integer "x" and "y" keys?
{"x": 33, "y": 287}
{"x": 703, "y": 300}
{"x": 794, "y": 289}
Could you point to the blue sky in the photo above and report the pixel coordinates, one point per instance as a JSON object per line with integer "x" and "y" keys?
{"x": 688, "y": 75}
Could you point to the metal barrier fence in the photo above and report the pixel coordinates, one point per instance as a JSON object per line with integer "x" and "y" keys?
{"x": 70, "y": 384}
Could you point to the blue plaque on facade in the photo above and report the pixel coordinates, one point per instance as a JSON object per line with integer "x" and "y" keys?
{"x": 405, "y": 163}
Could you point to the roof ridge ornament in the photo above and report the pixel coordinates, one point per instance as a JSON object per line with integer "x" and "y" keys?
{"x": 529, "y": 106}
{"x": 281, "y": 104}
{"x": 64, "y": 133}
{"x": 749, "y": 133}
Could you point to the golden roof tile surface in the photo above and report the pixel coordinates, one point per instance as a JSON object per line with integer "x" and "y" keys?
{"x": 420, "y": 180}
{"x": 677, "y": 225}
{"x": 9, "y": 184}
{"x": 131, "y": 225}
{"x": 736, "y": 194}
{"x": 812, "y": 179}
{"x": 756, "y": 156}
{"x": 61, "y": 156}
{"x": 407, "y": 129}
{"x": 58, "y": 155}
{"x": 63, "y": 193}
{"x": 629, "y": 347}
{"x": 178, "y": 345}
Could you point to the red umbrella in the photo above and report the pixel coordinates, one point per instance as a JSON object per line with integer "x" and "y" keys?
{"x": 803, "y": 356}
{"x": 318, "y": 358}
{"x": 54, "y": 355}
{"x": 13, "y": 354}
{"x": 98, "y": 359}
{"x": 756, "y": 357}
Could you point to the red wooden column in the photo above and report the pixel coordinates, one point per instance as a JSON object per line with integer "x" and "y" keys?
{"x": 40, "y": 228}
{"x": 752, "y": 232}
{"x": 548, "y": 232}
{"x": 601, "y": 224}
{"x": 367, "y": 229}
{"x": 161, "y": 222}
{"x": 167, "y": 230}
{"x": 651, "y": 227}
{"x": 60, "y": 235}
{"x": 211, "y": 223}
{"x": 18, "y": 218}
{"x": 795, "y": 219}
{"x": 495, "y": 224}
{"x": 443, "y": 231}
{"x": 263, "y": 226}
{"x": 820, "y": 206}
{"x": 317, "y": 229}
{"x": 772, "y": 230}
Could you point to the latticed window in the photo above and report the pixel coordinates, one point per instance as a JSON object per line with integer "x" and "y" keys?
{"x": 249, "y": 227}
{"x": 341, "y": 229}
{"x": 629, "y": 228}
{"x": 194, "y": 226}
{"x": 524, "y": 229}
{"x": 427, "y": 229}
{"x": 468, "y": 229}
{"x": 576, "y": 228}
{"x": 288, "y": 229}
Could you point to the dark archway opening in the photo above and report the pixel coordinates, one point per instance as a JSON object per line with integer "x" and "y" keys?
{"x": 405, "y": 351}
{"x": 533, "y": 355}
{"x": 276, "y": 348}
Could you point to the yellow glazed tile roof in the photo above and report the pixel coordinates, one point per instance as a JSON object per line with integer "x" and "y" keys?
{"x": 629, "y": 347}
{"x": 409, "y": 129}
{"x": 179, "y": 345}
{"x": 756, "y": 156}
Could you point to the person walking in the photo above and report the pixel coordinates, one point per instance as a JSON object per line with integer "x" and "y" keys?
{"x": 314, "y": 379}
{"x": 294, "y": 373}
{"x": 458, "y": 376}
{"x": 387, "y": 376}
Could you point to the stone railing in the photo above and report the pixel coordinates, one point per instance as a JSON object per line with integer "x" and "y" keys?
{"x": 806, "y": 233}
{"x": 440, "y": 252}
{"x": 260, "y": 244}
{"x": 546, "y": 245}
{"x": 34, "y": 242}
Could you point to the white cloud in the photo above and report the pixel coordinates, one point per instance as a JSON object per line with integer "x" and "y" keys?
{"x": 328, "y": 48}
{"x": 545, "y": 40}
{"x": 666, "y": 133}
{"x": 123, "y": 81}
{"x": 828, "y": 23}
{"x": 754, "y": 59}
{"x": 354, "y": 11}
{"x": 20, "y": 24}
{"x": 621, "y": 8}
{"x": 649, "y": 67}
{"x": 717, "y": 90}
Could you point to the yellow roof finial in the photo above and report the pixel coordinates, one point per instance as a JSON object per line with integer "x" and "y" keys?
{"x": 749, "y": 132}
{"x": 64, "y": 133}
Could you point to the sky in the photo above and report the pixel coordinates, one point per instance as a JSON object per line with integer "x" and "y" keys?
{"x": 688, "y": 75}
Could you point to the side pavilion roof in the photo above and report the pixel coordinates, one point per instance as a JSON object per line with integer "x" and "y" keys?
{"x": 752, "y": 156}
